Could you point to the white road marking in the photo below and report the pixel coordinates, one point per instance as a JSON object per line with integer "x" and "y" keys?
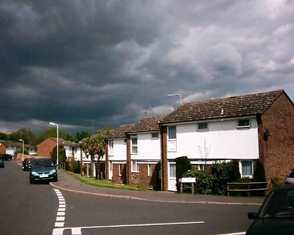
{"x": 60, "y": 218}
{"x": 59, "y": 224}
{"x": 76, "y": 231}
{"x": 57, "y": 231}
{"x": 238, "y": 233}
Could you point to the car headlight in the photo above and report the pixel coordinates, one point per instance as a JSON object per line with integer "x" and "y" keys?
{"x": 52, "y": 172}
{"x": 35, "y": 173}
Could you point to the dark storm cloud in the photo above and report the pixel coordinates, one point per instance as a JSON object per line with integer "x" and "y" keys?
{"x": 88, "y": 63}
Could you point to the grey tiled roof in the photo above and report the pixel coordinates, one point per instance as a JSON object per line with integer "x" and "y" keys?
{"x": 236, "y": 106}
{"x": 119, "y": 132}
{"x": 147, "y": 124}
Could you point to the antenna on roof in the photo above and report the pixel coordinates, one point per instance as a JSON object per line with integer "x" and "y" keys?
{"x": 178, "y": 95}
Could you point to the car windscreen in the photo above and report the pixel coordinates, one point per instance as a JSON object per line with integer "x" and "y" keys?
{"x": 42, "y": 163}
{"x": 280, "y": 204}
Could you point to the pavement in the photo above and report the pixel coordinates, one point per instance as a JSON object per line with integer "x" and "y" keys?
{"x": 67, "y": 182}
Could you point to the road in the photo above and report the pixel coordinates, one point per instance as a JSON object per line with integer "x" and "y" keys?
{"x": 32, "y": 209}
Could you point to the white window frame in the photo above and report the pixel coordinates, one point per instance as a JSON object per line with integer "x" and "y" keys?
{"x": 149, "y": 170}
{"x": 134, "y": 145}
{"x": 169, "y": 170}
{"x": 135, "y": 166}
{"x": 241, "y": 171}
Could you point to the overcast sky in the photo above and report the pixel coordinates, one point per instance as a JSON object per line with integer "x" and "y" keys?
{"x": 86, "y": 63}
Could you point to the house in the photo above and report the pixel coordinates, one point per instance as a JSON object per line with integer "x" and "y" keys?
{"x": 46, "y": 147}
{"x": 116, "y": 154}
{"x": 10, "y": 147}
{"x": 143, "y": 153}
{"x": 247, "y": 129}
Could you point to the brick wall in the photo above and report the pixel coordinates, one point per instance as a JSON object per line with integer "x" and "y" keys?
{"x": 141, "y": 178}
{"x": 277, "y": 152}
{"x": 46, "y": 147}
{"x": 164, "y": 173}
{"x": 2, "y": 148}
{"x": 116, "y": 176}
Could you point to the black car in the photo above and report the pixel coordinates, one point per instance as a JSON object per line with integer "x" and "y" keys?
{"x": 42, "y": 170}
{"x": 6, "y": 157}
{"x": 26, "y": 164}
{"x": 1, "y": 162}
{"x": 276, "y": 215}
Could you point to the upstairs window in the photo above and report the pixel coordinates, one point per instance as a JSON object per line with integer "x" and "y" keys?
{"x": 134, "y": 141}
{"x": 243, "y": 123}
{"x": 172, "y": 132}
{"x": 203, "y": 126}
{"x": 110, "y": 144}
{"x": 155, "y": 135}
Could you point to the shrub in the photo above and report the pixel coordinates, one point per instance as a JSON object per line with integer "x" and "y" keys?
{"x": 72, "y": 165}
{"x": 182, "y": 165}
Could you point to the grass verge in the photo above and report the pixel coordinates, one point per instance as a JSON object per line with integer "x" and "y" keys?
{"x": 103, "y": 183}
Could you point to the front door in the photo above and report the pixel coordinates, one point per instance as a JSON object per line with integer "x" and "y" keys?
{"x": 172, "y": 180}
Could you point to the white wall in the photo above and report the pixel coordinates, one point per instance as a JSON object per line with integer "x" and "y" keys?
{"x": 119, "y": 150}
{"x": 148, "y": 147}
{"x": 10, "y": 150}
{"x": 222, "y": 140}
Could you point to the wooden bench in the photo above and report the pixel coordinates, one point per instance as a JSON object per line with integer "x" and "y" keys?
{"x": 187, "y": 180}
{"x": 247, "y": 187}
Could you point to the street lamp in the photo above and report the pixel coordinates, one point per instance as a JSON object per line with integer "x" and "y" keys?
{"x": 57, "y": 144}
{"x": 21, "y": 140}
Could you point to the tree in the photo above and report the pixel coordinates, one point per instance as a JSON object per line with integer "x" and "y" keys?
{"x": 94, "y": 146}
{"x": 61, "y": 155}
{"x": 79, "y": 135}
{"x": 51, "y": 132}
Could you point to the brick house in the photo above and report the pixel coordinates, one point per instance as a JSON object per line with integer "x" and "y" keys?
{"x": 248, "y": 128}
{"x": 143, "y": 153}
{"x": 46, "y": 147}
{"x": 116, "y": 154}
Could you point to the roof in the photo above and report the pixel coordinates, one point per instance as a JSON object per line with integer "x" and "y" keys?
{"x": 13, "y": 143}
{"x": 147, "y": 124}
{"x": 120, "y": 132}
{"x": 230, "y": 107}
{"x": 62, "y": 141}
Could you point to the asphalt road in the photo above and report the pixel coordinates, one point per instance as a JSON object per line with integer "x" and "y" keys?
{"x": 25, "y": 208}
{"x": 31, "y": 209}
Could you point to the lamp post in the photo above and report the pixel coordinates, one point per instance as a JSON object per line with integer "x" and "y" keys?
{"x": 21, "y": 140}
{"x": 57, "y": 144}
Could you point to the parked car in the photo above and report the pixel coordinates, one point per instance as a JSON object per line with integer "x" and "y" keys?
{"x": 290, "y": 178}
{"x": 26, "y": 164}
{"x": 2, "y": 162}
{"x": 42, "y": 170}
{"x": 6, "y": 157}
{"x": 276, "y": 215}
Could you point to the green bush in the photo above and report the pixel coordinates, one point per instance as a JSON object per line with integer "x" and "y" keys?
{"x": 73, "y": 166}
{"x": 216, "y": 182}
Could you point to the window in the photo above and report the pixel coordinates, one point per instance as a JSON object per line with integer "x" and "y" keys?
{"x": 155, "y": 135}
{"x": 172, "y": 170}
{"x": 135, "y": 167}
{"x": 149, "y": 170}
{"x": 134, "y": 145}
{"x": 203, "y": 126}
{"x": 110, "y": 144}
{"x": 172, "y": 133}
{"x": 243, "y": 123}
{"x": 246, "y": 168}
{"x": 121, "y": 169}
